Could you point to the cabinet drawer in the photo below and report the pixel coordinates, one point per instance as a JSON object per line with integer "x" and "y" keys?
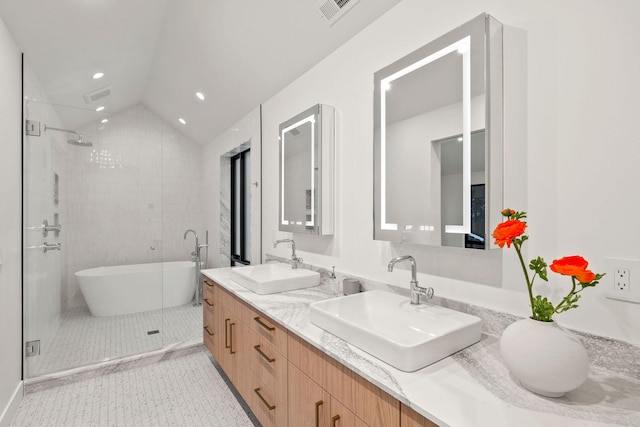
{"x": 209, "y": 329}
{"x": 209, "y": 322}
{"x": 270, "y": 411}
{"x": 375, "y": 407}
{"x": 209, "y": 319}
{"x": 306, "y": 357}
{"x": 268, "y": 365}
{"x": 267, "y": 330}
{"x": 210, "y": 287}
{"x": 209, "y": 295}
{"x": 410, "y": 418}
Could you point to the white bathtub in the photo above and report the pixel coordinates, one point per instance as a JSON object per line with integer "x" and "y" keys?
{"x": 125, "y": 289}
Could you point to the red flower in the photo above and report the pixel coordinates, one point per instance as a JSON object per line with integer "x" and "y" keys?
{"x": 506, "y": 231}
{"x": 575, "y": 266}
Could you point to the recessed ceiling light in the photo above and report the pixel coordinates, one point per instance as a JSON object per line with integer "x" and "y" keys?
{"x": 97, "y": 76}
{"x": 100, "y": 108}
{"x": 181, "y": 120}
{"x": 200, "y": 96}
{"x": 105, "y": 120}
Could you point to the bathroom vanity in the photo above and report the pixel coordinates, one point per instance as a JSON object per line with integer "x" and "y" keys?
{"x": 292, "y": 373}
{"x": 284, "y": 379}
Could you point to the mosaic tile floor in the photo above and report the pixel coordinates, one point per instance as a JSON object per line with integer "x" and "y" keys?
{"x": 184, "y": 391}
{"x": 83, "y": 339}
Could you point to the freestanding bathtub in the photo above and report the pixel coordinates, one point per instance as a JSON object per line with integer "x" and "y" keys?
{"x": 125, "y": 289}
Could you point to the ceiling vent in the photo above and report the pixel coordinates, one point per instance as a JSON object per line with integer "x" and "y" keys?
{"x": 333, "y": 10}
{"x": 92, "y": 97}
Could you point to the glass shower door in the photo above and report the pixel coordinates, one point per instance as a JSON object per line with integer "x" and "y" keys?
{"x": 93, "y": 234}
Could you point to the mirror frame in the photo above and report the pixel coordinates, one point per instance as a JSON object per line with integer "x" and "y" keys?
{"x": 490, "y": 29}
{"x": 322, "y": 119}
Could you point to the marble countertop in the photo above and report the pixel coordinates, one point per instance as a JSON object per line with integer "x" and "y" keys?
{"x": 470, "y": 388}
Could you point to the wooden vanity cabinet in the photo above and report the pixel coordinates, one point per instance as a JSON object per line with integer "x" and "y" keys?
{"x": 210, "y": 320}
{"x": 287, "y": 381}
{"x": 410, "y": 418}
{"x": 268, "y": 367}
{"x": 249, "y": 351}
{"x": 332, "y": 395}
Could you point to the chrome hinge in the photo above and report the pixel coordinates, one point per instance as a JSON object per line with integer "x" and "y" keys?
{"x": 32, "y": 128}
{"x": 32, "y": 348}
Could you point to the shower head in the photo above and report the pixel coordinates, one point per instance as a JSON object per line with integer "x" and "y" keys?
{"x": 74, "y": 141}
{"x": 79, "y": 142}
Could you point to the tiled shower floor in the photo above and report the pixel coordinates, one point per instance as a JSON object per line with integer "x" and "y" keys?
{"x": 83, "y": 339}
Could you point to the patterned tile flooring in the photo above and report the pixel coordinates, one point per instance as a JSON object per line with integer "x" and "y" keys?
{"x": 183, "y": 391}
{"x": 83, "y": 339}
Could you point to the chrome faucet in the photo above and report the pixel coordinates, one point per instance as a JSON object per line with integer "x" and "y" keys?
{"x": 416, "y": 290}
{"x": 195, "y": 257}
{"x": 194, "y": 254}
{"x": 294, "y": 258}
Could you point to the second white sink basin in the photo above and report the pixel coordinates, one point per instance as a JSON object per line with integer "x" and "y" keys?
{"x": 273, "y": 278}
{"x": 387, "y": 326}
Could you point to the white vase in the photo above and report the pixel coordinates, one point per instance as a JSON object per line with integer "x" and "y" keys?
{"x": 545, "y": 358}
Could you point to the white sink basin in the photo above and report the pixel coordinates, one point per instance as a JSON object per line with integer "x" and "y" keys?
{"x": 272, "y": 278}
{"x": 385, "y": 325}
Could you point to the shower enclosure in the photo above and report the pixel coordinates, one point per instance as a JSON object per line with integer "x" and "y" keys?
{"x": 100, "y": 191}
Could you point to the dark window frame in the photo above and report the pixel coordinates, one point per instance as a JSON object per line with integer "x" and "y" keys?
{"x": 239, "y": 255}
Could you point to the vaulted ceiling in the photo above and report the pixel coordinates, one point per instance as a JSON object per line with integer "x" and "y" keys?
{"x": 238, "y": 53}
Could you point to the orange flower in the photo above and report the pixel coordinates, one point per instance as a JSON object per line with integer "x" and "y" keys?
{"x": 506, "y": 231}
{"x": 586, "y": 276}
{"x": 570, "y": 266}
{"x": 508, "y": 212}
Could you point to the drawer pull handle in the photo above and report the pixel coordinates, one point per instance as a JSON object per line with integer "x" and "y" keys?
{"x": 264, "y": 356}
{"x": 264, "y": 325}
{"x": 226, "y": 333}
{"x": 206, "y": 328}
{"x": 271, "y": 407}
{"x": 334, "y": 419}
{"x": 208, "y": 283}
{"x": 319, "y": 403}
{"x": 231, "y": 350}
{"x": 209, "y": 303}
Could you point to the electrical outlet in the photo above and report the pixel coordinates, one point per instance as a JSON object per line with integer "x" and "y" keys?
{"x": 617, "y": 282}
{"x": 621, "y": 281}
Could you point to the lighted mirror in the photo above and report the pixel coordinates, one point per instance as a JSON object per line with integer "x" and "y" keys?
{"x": 438, "y": 140}
{"x": 306, "y": 171}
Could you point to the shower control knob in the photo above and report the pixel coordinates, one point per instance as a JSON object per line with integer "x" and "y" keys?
{"x": 51, "y": 247}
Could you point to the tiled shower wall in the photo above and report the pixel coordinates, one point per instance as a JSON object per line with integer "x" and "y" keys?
{"x": 131, "y": 196}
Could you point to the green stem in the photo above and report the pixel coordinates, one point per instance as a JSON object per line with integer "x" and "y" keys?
{"x": 526, "y": 276}
{"x": 573, "y": 292}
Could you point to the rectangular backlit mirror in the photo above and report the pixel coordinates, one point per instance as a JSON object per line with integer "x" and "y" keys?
{"x": 306, "y": 171}
{"x": 438, "y": 140}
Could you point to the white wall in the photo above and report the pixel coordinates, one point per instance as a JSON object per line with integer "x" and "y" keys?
{"x": 10, "y": 225}
{"x": 570, "y": 99}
